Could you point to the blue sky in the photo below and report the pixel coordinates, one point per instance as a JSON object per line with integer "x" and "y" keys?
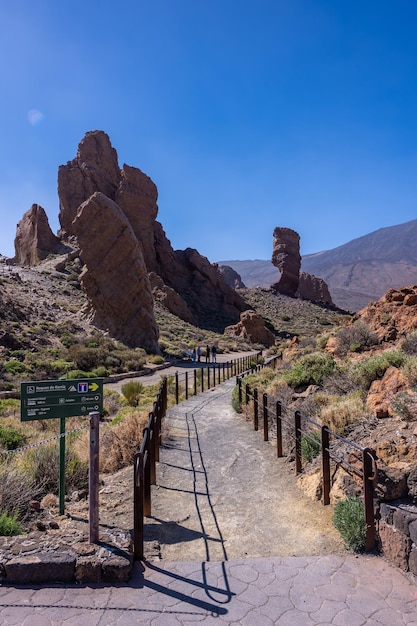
{"x": 246, "y": 114}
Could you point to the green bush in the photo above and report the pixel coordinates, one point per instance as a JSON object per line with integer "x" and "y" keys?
{"x": 310, "y": 445}
{"x": 355, "y": 338}
{"x": 14, "y": 367}
{"x": 310, "y": 369}
{"x": 349, "y": 519}
{"x": 365, "y": 372}
{"x": 10, "y": 438}
{"x": 9, "y": 526}
{"x": 132, "y": 392}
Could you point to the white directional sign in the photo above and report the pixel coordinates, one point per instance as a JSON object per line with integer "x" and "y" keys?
{"x": 48, "y": 399}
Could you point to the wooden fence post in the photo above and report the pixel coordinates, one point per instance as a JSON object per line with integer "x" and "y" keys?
{"x": 279, "y": 428}
{"x": 297, "y": 426}
{"x": 325, "y": 440}
{"x": 265, "y": 415}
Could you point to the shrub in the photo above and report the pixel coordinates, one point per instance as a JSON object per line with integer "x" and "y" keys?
{"x": 365, "y": 372}
{"x": 101, "y": 372}
{"x": 409, "y": 344}
{"x": 410, "y": 371}
{"x": 311, "y": 369}
{"x": 122, "y": 441}
{"x": 42, "y": 465}
{"x": 405, "y": 406}
{"x": 17, "y": 490}
{"x": 156, "y": 359}
{"x": 132, "y": 392}
{"x": 86, "y": 358}
{"x": 14, "y": 367}
{"x": 349, "y": 519}
{"x": 355, "y": 338}
{"x": 310, "y": 445}
{"x": 10, "y": 438}
{"x": 342, "y": 410}
{"x": 9, "y": 526}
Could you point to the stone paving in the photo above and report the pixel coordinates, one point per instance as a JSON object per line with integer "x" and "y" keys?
{"x": 265, "y": 590}
{"x": 286, "y": 591}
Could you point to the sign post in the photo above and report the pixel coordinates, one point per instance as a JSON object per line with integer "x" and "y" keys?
{"x": 51, "y": 399}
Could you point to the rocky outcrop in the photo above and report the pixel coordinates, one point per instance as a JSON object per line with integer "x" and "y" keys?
{"x": 392, "y": 315}
{"x": 286, "y": 257}
{"x": 34, "y": 238}
{"x": 312, "y": 288}
{"x": 170, "y": 299}
{"x": 114, "y": 276}
{"x": 382, "y": 392}
{"x": 231, "y": 277}
{"x": 211, "y": 303}
{"x": 252, "y": 328}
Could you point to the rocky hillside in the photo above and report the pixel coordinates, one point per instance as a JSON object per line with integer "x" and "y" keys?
{"x": 357, "y": 272}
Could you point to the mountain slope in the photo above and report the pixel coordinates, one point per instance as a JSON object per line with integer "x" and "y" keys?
{"x": 357, "y": 272}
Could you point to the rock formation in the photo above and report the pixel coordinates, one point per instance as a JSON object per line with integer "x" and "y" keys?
{"x": 121, "y": 304}
{"x": 312, "y": 288}
{"x": 34, "y": 238}
{"x": 231, "y": 277}
{"x": 198, "y": 284}
{"x": 392, "y": 315}
{"x": 251, "y": 327}
{"x": 286, "y": 257}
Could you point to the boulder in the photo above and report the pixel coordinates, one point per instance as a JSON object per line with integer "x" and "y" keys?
{"x": 114, "y": 276}
{"x": 34, "y": 238}
{"x": 313, "y": 288}
{"x": 382, "y": 392}
{"x": 251, "y": 327}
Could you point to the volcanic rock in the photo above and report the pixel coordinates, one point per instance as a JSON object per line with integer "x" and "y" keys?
{"x": 251, "y": 327}
{"x": 312, "y": 288}
{"x": 231, "y": 277}
{"x": 170, "y": 298}
{"x": 34, "y": 238}
{"x": 115, "y": 276}
{"x": 211, "y": 302}
{"x": 392, "y": 315}
{"x": 286, "y": 257}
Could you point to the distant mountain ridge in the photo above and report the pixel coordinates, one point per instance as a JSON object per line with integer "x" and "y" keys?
{"x": 357, "y": 272}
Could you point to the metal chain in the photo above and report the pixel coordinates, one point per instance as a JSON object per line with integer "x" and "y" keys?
{"x": 41, "y": 443}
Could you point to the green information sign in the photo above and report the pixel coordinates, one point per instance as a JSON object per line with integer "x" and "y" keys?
{"x": 47, "y": 399}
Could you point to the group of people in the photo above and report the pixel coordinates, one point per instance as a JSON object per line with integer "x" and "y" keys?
{"x": 211, "y": 354}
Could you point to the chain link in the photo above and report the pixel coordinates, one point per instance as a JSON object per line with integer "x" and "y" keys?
{"x": 41, "y": 443}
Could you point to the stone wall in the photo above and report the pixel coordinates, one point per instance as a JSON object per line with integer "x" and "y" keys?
{"x": 397, "y": 533}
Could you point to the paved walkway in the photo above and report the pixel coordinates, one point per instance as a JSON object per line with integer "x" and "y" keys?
{"x": 219, "y": 585}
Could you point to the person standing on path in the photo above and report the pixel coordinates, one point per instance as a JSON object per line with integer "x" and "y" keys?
{"x": 198, "y": 354}
{"x": 214, "y": 354}
{"x": 208, "y": 354}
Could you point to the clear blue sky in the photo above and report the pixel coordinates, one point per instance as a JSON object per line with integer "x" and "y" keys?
{"x": 247, "y": 114}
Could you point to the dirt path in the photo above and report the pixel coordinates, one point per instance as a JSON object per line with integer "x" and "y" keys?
{"x": 221, "y": 492}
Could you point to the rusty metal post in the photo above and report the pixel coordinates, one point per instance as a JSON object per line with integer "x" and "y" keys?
{"x": 265, "y": 415}
{"x": 195, "y": 382}
{"x": 208, "y": 377}
{"x": 255, "y": 409}
{"x": 368, "y": 494}
{"x": 239, "y": 389}
{"x": 297, "y": 426}
{"x": 279, "y": 429}
{"x": 93, "y": 478}
{"x": 176, "y": 389}
{"x": 325, "y": 455}
{"x": 146, "y": 475}
{"x": 202, "y": 380}
{"x": 247, "y": 394}
{"x": 186, "y": 385}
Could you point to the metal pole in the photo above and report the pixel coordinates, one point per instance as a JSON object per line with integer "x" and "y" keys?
{"x": 325, "y": 440}
{"x": 93, "y": 477}
{"x": 297, "y": 426}
{"x": 62, "y": 466}
{"x": 279, "y": 429}
{"x": 265, "y": 415}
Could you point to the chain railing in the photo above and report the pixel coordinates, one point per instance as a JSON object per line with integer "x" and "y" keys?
{"x": 296, "y": 426}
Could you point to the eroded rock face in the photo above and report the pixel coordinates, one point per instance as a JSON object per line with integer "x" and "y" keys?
{"x": 95, "y": 168}
{"x": 170, "y": 298}
{"x": 34, "y": 238}
{"x": 115, "y": 275}
{"x": 392, "y": 315}
{"x": 211, "y": 303}
{"x": 286, "y": 257}
{"x": 313, "y": 288}
{"x": 251, "y": 327}
{"x": 231, "y": 277}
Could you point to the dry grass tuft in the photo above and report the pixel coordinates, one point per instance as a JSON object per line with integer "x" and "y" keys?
{"x": 120, "y": 442}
